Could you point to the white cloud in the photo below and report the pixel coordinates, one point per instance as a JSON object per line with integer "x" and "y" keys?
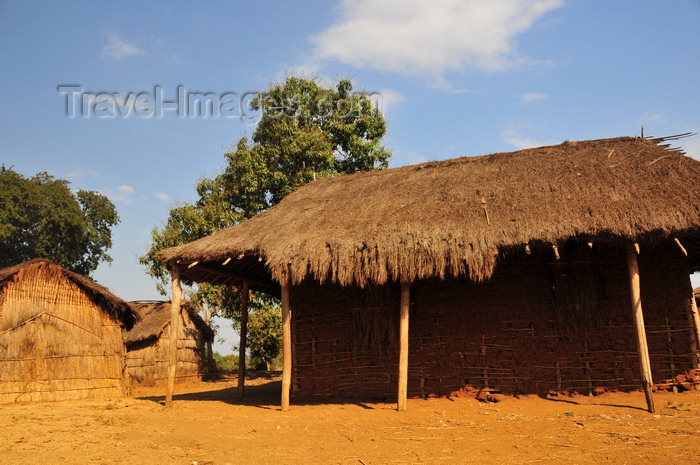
{"x": 161, "y": 196}
{"x": 522, "y": 143}
{"x": 119, "y": 48}
{"x": 530, "y": 97}
{"x": 123, "y": 194}
{"x": 80, "y": 173}
{"x": 415, "y": 37}
{"x": 406, "y": 157}
{"x": 692, "y": 146}
{"x": 511, "y": 134}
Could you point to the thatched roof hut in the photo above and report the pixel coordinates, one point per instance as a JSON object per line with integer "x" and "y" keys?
{"x": 454, "y": 218}
{"x": 147, "y": 344}
{"x": 60, "y": 335}
{"x": 474, "y": 229}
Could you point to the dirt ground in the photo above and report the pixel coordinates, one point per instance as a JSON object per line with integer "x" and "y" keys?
{"x": 207, "y": 425}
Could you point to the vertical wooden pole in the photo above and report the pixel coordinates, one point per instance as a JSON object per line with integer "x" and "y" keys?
{"x": 695, "y": 318}
{"x": 206, "y": 311}
{"x": 642, "y": 347}
{"x": 403, "y": 347}
{"x": 245, "y": 293}
{"x": 174, "y": 331}
{"x": 286, "y": 347}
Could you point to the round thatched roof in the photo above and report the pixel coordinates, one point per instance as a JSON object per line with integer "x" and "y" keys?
{"x": 453, "y": 218}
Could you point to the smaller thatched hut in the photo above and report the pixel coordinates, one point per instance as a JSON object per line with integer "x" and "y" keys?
{"x": 147, "y": 344}
{"x": 60, "y": 335}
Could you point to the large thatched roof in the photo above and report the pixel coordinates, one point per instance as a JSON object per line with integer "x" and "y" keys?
{"x": 155, "y": 317}
{"x": 455, "y": 217}
{"x": 100, "y": 295}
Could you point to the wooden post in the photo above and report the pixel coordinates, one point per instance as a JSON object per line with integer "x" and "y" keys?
{"x": 403, "y": 347}
{"x": 174, "y": 331}
{"x": 286, "y": 347}
{"x": 245, "y": 293}
{"x": 695, "y": 318}
{"x": 642, "y": 347}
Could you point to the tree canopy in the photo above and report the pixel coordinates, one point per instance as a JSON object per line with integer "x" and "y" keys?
{"x": 40, "y": 217}
{"x": 306, "y": 131}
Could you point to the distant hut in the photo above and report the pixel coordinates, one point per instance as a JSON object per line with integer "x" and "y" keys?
{"x": 147, "y": 343}
{"x": 60, "y": 335}
{"x": 513, "y": 272}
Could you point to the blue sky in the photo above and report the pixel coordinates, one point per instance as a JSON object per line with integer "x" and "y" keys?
{"x": 454, "y": 78}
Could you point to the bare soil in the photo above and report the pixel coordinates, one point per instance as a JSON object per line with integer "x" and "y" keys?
{"x": 207, "y": 425}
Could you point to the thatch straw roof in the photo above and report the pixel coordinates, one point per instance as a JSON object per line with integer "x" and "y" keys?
{"x": 454, "y": 218}
{"x": 155, "y": 317}
{"x": 100, "y": 295}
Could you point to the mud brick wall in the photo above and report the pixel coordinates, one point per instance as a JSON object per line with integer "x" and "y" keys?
{"x": 503, "y": 335}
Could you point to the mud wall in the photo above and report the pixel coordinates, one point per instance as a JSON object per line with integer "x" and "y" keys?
{"x": 504, "y": 335}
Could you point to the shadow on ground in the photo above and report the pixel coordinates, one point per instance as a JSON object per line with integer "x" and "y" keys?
{"x": 262, "y": 390}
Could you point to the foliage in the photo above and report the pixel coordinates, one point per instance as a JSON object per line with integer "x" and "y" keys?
{"x": 185, "y": 224}
{"x": 306, "y": 131}
{"x": 40, "y": 217}
{"x": 225, "y": 363}
{"x": 265, "y": 335}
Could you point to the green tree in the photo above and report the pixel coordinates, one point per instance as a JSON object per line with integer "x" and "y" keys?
{"x": 306, "y": 131}
{"x": 265, "y": 335}
{"x": 40, "y": 217}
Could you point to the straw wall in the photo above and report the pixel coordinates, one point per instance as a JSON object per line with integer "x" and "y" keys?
{"x": 506, "y": 335}
{"x": 56, "y": 344}
{"x": 147, "y": 361}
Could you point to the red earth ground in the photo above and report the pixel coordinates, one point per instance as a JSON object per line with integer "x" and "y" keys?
{"x": 207, "y": 425}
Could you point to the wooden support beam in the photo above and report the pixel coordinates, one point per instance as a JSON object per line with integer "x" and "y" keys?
{"x": 235, "y": 276}
{"x": 642, "y": 347}
{"x": 403, "y": 347}
{"x": 245, "y": 294}
{"x": 174, "y": 332}
{"x": 695, "y": 319}
{"x": 286, "y": 347}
